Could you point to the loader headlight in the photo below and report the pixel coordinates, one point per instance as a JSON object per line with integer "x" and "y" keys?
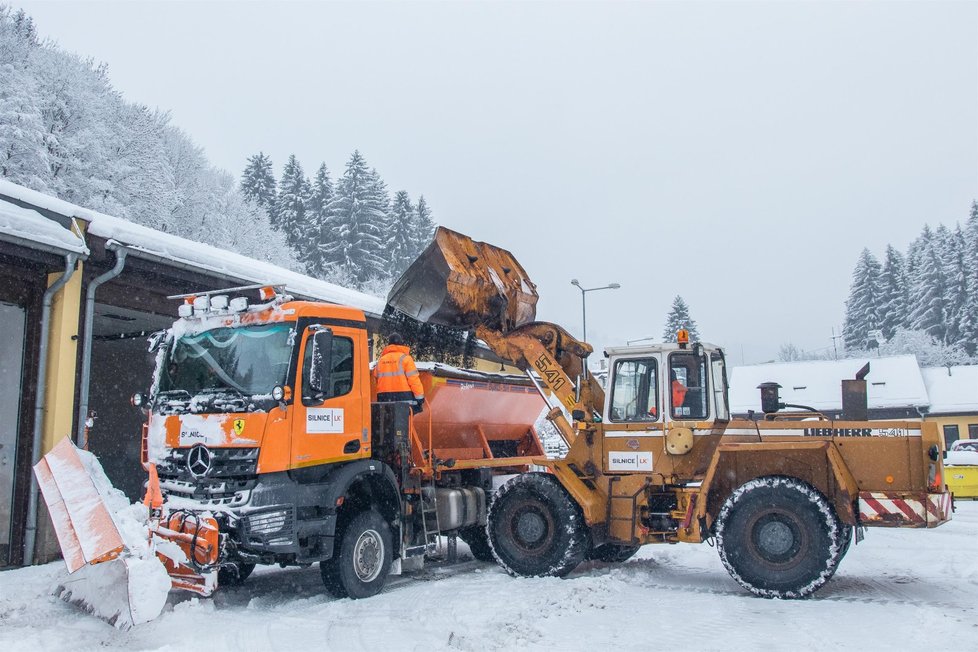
{"x": 137, "y": 400}
{"x": 278, "y": 393}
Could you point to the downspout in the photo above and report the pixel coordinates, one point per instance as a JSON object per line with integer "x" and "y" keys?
{"x": 42, "y": 371}
{"x": 86, "y": 369}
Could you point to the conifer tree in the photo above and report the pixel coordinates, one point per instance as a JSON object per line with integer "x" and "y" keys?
{"x": 928, "y": 308}
{"x": 401, "y": 245}
{"x": 863, "y": 305}
{"x": 358, "y": 219}
{"x": 893, "y": 293}
{"x": 956, "y": 276}
{"x": 320, "y": 228}
{"x": 677, "y": 318}
{"x": 258, "y": 182}
{"x": 968, "y": 324}
{"x": 423, "y": 228}
{"x": 290, "y": 206}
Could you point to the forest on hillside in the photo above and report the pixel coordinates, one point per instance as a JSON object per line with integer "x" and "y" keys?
{"x": 922, "y": 301}
{"x": 65, "y": 131}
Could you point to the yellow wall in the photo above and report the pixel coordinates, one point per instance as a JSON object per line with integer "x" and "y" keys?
{"x": 59, "y": 399}
{"x": 962, "y": 422}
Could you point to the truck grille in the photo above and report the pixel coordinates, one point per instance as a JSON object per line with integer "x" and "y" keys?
{"x": 220, "y": 463}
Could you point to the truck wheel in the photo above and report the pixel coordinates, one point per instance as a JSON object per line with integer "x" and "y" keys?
{"x": 613, "y": 553}
{"x": 362, "y": 558}
{"x": 779, "y": 538}
{"x": 476, "y": 537}
{"x": 535, "y": 529}
{"x": 234, "y": 575}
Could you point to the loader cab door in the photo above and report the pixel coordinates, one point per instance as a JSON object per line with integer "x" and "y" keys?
{"x": 688, "y": 390}
{"x": 634, "y": 395}
{"x": 329, "y": 422}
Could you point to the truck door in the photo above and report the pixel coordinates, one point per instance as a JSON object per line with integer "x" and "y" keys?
{"x": 329, "y": 424}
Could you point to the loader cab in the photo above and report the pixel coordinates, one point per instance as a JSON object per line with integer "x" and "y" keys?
{"x": 666, "y": 382}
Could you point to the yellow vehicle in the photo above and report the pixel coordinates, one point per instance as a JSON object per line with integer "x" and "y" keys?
{"x": 780, "y": 496}
{"x": 961, "y": 463}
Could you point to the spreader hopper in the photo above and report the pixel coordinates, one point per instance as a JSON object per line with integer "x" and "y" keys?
{"x": 462, "y": 283}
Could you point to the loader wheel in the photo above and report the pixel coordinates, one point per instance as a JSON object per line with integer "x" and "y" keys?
{"x": 362, "y": 558}
{"x": 535, "y": 528}
{"x": 613, "y": 553}
{"x": 234, "y": 575}
{"x": 476, "y": 537}
{"x": 779, "y": 538}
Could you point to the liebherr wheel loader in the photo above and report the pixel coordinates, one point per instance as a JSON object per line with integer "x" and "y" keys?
{"x": 782, "y": 495}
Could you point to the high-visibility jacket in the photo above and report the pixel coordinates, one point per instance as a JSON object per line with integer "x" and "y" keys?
{"x": 396, "y": 373}
{"x": 678, "y": 393}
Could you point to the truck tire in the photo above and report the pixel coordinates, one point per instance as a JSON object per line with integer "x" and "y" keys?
{"x": 535, "y": 528}
{"x": 234, "y": 575}
{"x": 613, "y": 553}
{"x": 362, "y": 561}
{"x": 778, "y": 537}
{"x": 477, "y": 539}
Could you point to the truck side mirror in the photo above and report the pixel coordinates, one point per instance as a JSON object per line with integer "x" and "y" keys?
{"x": 322, "y": 359}
{"x": 156, "y": 340}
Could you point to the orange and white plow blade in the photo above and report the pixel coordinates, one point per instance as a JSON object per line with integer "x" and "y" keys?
{"x": 105, "y": 578}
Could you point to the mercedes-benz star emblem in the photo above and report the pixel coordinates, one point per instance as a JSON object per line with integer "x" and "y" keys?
{"x": 199, "y": 461}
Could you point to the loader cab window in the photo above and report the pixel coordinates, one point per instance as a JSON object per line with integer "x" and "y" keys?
{"x": 634, "y": 394}
{"x": 340, "y": 373}
{"x": 688, "y": 387}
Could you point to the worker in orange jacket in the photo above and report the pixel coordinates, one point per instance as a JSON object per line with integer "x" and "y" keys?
{"x": 397, "y": 376}
{"x": 678, "y": 392}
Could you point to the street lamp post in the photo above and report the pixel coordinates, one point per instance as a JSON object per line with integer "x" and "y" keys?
{"x": 584, "y": 291}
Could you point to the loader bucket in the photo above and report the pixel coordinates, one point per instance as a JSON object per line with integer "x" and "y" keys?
{"x": 119, "y": 581}
{"x": 462, "y": 283}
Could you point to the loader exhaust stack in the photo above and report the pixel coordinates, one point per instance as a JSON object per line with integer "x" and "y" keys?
{"x": 462, "y": 283}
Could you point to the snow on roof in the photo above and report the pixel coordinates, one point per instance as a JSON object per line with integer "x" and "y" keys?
{"x": 952, "y": 391}
{"x": 893, "y": 382}
{"x": 25, "y": 224}
{"x": 201, "y": 256}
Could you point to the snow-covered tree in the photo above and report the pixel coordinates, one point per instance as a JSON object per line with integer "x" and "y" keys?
{"x": 863, "y": 305}
{"x": 401, "y": 245}
{"x": 359, "y": 217}
{"x": 893, "y": 293}
{"x": 677, "y": 318}
{"x": 968, "y": 324}
{"x": 320, "y": 228}
{"x": 424, "y": 226}
{"x": 928, "y": 306}
{"x": 258, "y": 182}
{"x": 929, "y": 351}
{"x": 290, "y": 206}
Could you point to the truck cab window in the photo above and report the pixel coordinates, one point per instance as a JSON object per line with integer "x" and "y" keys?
{"x": 340, "y": 373}
{"x": 634, "y": 396}
{"x": 688, "y": 389}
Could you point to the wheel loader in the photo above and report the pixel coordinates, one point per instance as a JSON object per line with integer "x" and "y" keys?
{"x": 657, "y": 457}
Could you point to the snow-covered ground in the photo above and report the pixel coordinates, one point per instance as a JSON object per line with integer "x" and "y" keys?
{"x": 898, "y": 589}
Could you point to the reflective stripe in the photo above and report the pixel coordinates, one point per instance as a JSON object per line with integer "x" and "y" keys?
{"x": 387, "y": 374}
{"x": 412, "y": 373}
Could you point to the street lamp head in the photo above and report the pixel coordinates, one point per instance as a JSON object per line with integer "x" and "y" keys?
{"x": 574, "y": 281}
{"x": 614, "y": 286}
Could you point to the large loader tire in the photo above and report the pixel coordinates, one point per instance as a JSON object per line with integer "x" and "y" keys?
{"x": 362, "y": 558}
{"x": 779, "y": 538}
{"x": 613, "y": 553}
{"x": 234, "y": 575}
{"x": 477, "y": 539}
{"x": 535, "y": 528}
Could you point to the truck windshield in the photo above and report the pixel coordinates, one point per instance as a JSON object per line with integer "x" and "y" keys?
{"x": 246, "y": 360}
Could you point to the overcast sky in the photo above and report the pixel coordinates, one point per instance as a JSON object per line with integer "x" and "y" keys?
{"x": 738, "y": 154}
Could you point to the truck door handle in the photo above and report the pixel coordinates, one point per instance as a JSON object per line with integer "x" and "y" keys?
{"x": 351, "y": 446}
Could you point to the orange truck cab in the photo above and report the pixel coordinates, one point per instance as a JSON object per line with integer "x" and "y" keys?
{"x": 262, "y": 418}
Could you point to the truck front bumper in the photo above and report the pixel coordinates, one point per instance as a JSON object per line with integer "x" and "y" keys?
{"x": 904, "y": 508}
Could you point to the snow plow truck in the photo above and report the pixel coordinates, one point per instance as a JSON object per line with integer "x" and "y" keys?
{"x": 264, "y": 444}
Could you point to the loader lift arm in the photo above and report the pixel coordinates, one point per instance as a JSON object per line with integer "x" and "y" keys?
{"x": 462, "y": 283}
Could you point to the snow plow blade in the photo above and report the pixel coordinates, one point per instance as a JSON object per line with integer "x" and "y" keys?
{"x": 113, "y": 572}
{"x": 462, "y": 283}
